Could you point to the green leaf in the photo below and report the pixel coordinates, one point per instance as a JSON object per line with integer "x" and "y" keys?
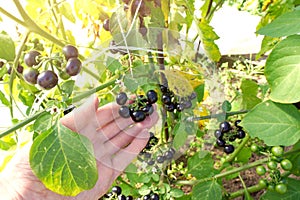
{"x": 176, "y": 192}
{"x": 26, "y": 97}
{"x": 180, "y": 135}
{"x": 208, "y": 37}
{"x": 282, "y": 70}
{"x": 64, "y": 161}
{"x": 207, "y": 191}
{"x": 249, "y": 90}
{"x": 113, "y": 64}
{"x": 7, "y": 47}
{"x": 244, "y": 155}
{"x": 275, "y": 123}
{"x": 292, "y": 192}
{"x": 295, "y": 159}
{"x": 66, "y": 10}
{"x": 4, "y": 100}
{"x": 43, "y": 123}
{"x": 284, "y": 25}
{"x": 201, "y": 167}
{"x": 67, "y": 87}
{"x": 267, "y": 44}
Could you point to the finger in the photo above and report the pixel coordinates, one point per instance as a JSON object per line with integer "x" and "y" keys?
{"x": 113, "y": 128}
{"x": 79, "y": 117}
{"x": 125, "y": 156}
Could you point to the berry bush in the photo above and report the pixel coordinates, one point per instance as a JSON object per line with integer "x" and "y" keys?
{"x": 219, "y": 120}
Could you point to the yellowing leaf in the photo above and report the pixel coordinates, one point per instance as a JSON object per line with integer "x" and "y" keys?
{"x": 180, "y": 83}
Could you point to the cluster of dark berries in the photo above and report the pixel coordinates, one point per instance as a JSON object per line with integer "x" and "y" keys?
{"x": 140, "y": 108}
{"x": 48, "y": 79}
{"x": 226, "y": 132}
{"x": 147, "y": 156}
{"x": 173, "y": 103}
{"x": 116, "y": 193}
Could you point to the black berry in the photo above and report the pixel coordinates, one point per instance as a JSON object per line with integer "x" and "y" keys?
{"x": 106, "y": 25}
{"x": 240, "y": 134}
{"x": 31, "y": 58}
{"x": 73, "y": 66}
{"x": 154, "y": 196}
{"x": 129, "y": 198}
{"x": 124, "y": 112}
{"x": 70, "y": 51}
{"x": 30, "y": 75}
{"x": 150, "y": 162}
{"x": 148, "y": 109}
{"x": 138, "y": 116}
{"x": 228, "y": 149}
{"x": 168, "y": 155}
{"x": 160, "y": 159}
{"x": 47, "y": 79}
{"x": 151, "y": 96}
{"x": 121, "y": 197}
{"x": 146, "y": 197}
{"x": 170, "y": 107}
{"x": 121, "y": 98}
{"x": 117, "y": 190}
{"x": 166, "y": 99}
{"x": 218, "y": 134}
{"x": 221, "y": 142}
{"x": 163, "y": 89}
{"x": 236, "y": 123}
{"x": 225, "y": 127}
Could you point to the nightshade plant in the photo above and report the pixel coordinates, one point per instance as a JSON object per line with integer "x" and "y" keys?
{"x": 141, "y": 48}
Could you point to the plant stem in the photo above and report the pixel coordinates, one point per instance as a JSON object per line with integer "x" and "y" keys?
{"x": 32, "y": 26}
{"x": 22, "y": 123}
{"x": 226, "y": 173}
{"x": 254, "y": 188}
{"x": 237, "y": 150}
{"x": 14, "y": 71}
{"x": 7, "y": 14}
{"x": 90, "y": 92}
{"x": 195, "y": 118}
{"x": 233, "y": 171}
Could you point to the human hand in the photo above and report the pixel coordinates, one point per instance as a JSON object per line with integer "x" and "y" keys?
{"x": 116, "y": 141}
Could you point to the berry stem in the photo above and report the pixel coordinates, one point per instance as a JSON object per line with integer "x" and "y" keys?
{"x": 252, "y": 189}
{"x": 14, "y": 71}
{"x": 227, "y": 114}
{"x": 237, "y": 150}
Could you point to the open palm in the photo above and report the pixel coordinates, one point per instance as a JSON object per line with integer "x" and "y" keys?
{"x": 116, "y": 142}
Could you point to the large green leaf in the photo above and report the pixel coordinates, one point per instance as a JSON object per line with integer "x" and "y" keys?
{"x": 283, "y": 69}
{"x": 275, "y": 123}
{"x": 284, "y": 25}
{"x": 292, "y": 192}
{"x": 7, "y": 47}
{"x": 249, "y": 89}
{"x": 207, "y": 191}
{"x": 201, "y": 166}
{"x": 64, "y": 161}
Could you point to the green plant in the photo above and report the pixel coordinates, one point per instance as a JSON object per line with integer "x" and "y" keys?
{"x": 150, "y": 63}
